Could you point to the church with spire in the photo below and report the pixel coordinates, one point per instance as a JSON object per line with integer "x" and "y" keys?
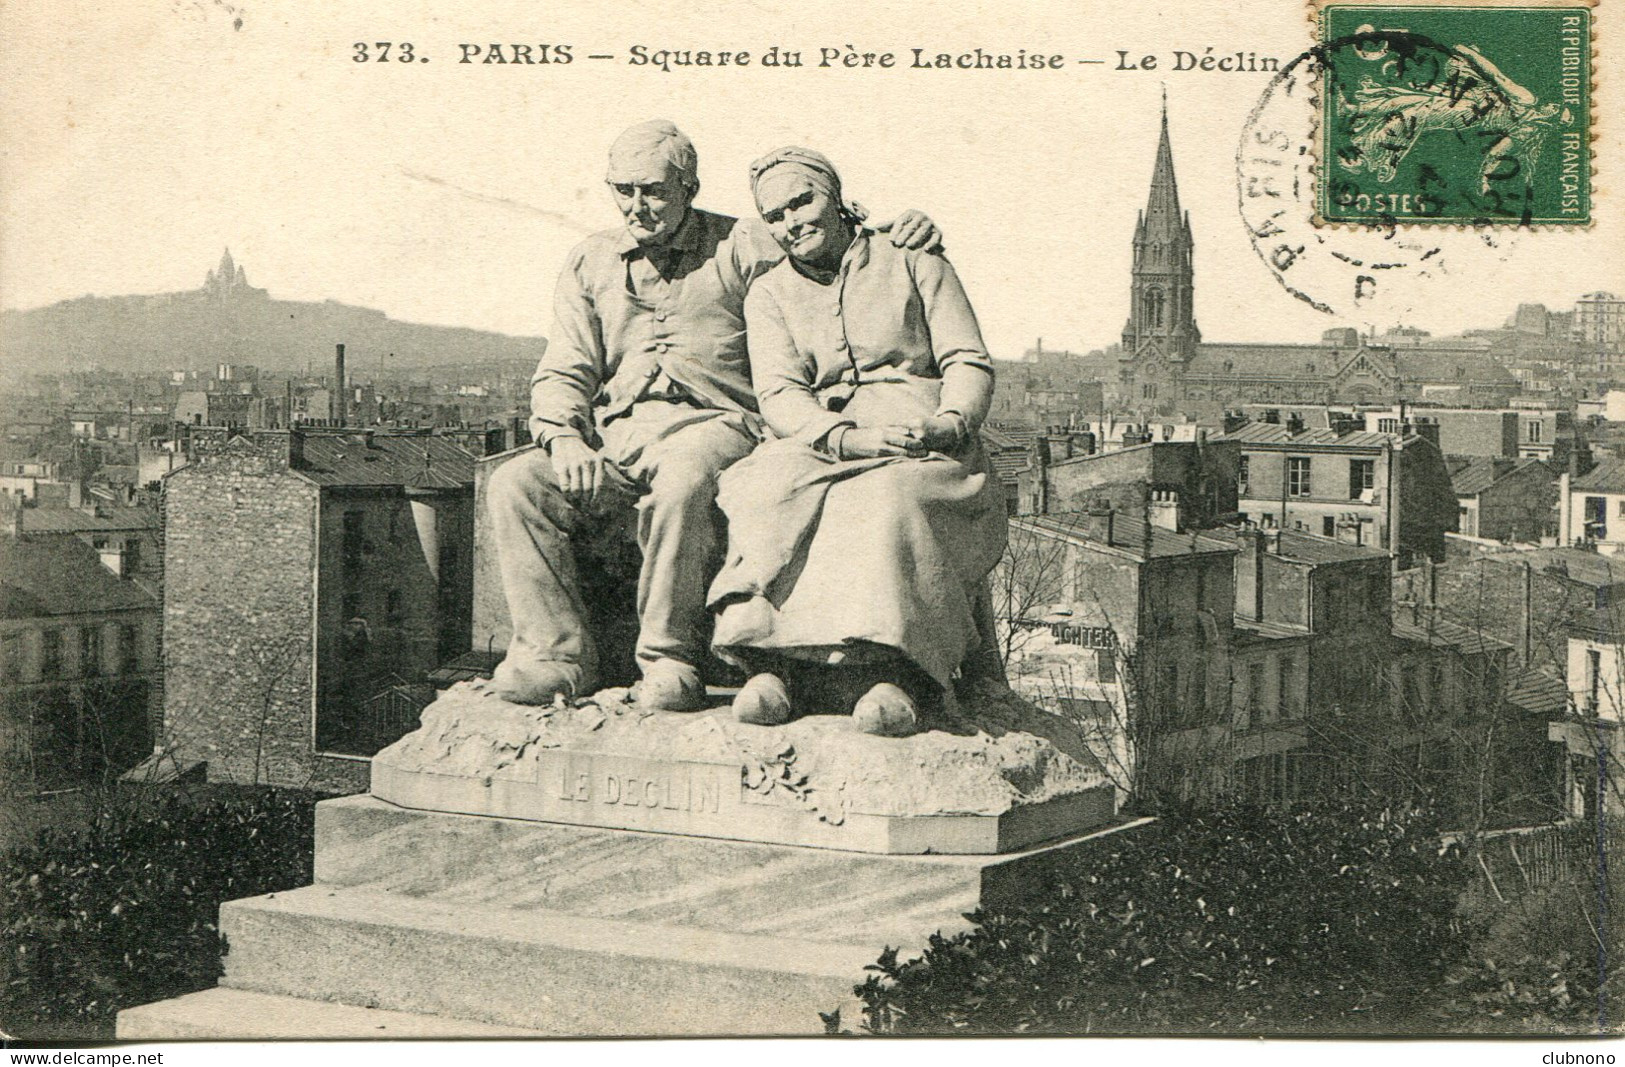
{"x": 1162, "y": 318}
{"x": 1163, "y": 366}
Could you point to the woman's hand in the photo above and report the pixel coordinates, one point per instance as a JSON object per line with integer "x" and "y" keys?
{"x": 869, "y": 442}
{"x": 940, "y": 433}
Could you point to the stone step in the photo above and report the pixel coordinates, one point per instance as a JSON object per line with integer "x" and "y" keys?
{"x": 535, "y": 968}
{"x": 222, "y": 1014}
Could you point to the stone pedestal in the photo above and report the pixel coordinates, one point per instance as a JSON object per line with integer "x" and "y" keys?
{"x": 999, "y": 779}
{"x": 620, "y": 874}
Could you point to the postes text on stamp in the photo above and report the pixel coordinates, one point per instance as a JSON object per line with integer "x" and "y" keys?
{"x": 1455, "y": 115}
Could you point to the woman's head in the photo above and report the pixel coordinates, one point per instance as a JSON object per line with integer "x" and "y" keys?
{"x": 798, "y": 193}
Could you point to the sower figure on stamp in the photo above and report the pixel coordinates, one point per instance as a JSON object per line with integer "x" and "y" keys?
{"x": 642, "y": 399}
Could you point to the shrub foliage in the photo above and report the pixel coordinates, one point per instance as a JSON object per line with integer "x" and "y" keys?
{"x": 1235, "y": 922}
{"x": 126, "y": 911}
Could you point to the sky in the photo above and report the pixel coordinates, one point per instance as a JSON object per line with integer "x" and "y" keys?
{"x": 141, "y": 139}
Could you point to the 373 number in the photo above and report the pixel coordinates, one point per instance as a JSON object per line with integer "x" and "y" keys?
{"x": 380, "y": 52}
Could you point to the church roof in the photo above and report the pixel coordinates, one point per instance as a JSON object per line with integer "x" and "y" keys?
{"x": 1319, "y": 362}
{"x": 1309, "y": 362}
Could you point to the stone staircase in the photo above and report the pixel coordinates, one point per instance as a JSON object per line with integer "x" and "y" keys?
{"x": 424, "y": 924}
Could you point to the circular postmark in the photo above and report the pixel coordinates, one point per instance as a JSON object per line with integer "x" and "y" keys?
{"x": 1392, "y": 88}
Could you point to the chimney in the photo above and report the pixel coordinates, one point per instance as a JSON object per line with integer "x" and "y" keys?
{"x": 1234, "y": 420}
{"x": 113, "y": 558}
{"x": 1060, "y": 443}
{"x": 337, "y": 413}
{"x": 1294, "y": 423}
{"x": 1250, "y": 574}
{"x": 1427, "y": 430}
{"x": 296, "y": 448}
{"x": 1098, "y": 522}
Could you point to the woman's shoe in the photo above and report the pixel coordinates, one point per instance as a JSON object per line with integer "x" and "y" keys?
{"x": 886, "y": 710}
{"x": 763, "y": 701}
{"x": 669, "y": 685}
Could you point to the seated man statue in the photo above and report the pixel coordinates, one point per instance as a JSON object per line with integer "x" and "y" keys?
{"x": 642, "y": 399}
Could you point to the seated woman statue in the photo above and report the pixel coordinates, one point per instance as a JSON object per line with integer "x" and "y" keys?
{"x": 861, "y": 535}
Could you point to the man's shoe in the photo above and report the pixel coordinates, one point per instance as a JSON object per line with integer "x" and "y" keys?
{"x": 887, "y": 711}
{"x": 763, "y": 701}
{"x": 536, "y": 682}
{"x": 671, "y": 686}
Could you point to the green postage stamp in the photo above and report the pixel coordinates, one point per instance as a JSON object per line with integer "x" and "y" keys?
{"x": 1469, "y": 115}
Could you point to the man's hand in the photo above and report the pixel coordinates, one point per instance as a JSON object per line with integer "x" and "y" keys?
{"x": 940, "y": 433}
{"x": 578, "y": 467}
{"x": 880, "y": 441}
{"x": 913, "y": 230}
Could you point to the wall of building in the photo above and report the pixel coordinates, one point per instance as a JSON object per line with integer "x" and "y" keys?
{"x": 395, "y": 581}
{"x": 240, "y": 545}
{"x": 1353, "y": 519}
{"x": 82, "y": 707}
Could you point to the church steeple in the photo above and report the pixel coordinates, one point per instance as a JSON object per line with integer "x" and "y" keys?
{"x": 1162, "y": 293}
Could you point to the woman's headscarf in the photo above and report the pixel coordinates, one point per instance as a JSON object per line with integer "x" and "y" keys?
{"x": 816, "y": 168}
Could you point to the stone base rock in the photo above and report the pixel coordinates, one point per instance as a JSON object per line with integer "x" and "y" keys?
{"x": 997, "y": 776}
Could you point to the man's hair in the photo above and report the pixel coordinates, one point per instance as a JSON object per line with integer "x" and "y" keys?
{"x": 662, "y": 140}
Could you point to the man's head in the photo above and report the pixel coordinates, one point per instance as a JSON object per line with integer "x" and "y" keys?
{"x": 653, "y": 174}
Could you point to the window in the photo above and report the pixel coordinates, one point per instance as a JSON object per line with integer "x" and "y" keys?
{"x": 1387, "y": 425}
{"x": 1532, "y": 431}
{"x": 1242, "y": 474}
{"x": 1328, "y": 526}
{"x": 1362, "y": 476}
{"x": 1596, "y": 518}
{"x": 1283, "y": 686}
{"x": 11, "y": 658}
{"x": 1297, "y": 476}
{"x": 129, "y": 651}
{"x": 354, "y": 537}
{"x": 1593, "y": 678}
{"x": 1255, "y": 690}
{"x": 90, "y": 650}
{"x": 51, "y": 654}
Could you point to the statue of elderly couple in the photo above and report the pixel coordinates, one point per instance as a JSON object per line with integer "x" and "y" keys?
{"x": 839, "y": 555}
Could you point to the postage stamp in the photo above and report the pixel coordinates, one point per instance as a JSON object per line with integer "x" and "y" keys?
{"x": 1454, "y": 115}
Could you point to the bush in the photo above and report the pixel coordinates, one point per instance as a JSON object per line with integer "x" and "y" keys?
{"x": 1545, "y": 960}
{"x": 1241, "y": 922}
{"x": 126, "y": 911}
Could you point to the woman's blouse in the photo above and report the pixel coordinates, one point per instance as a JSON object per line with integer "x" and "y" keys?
{"x": 889, "y": 314}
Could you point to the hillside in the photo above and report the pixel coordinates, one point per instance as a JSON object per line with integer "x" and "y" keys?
{"x": 227, "y": 321}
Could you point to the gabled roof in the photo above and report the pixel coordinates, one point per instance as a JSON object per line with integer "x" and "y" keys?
{"x": 1607, "y": 476}
{"x": 1303, "y": 547}
{"x": 1129, "y": 533}
{"x": 416, "y": 461}
{"x": 1471, "y": 475}
{"x": 1276, "y": 433}
{"x": 58, "y": 574}
{"x": 1539, "y": 693}
{"x": 1431, "y": 628}
{"x": 76, "y": 520}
